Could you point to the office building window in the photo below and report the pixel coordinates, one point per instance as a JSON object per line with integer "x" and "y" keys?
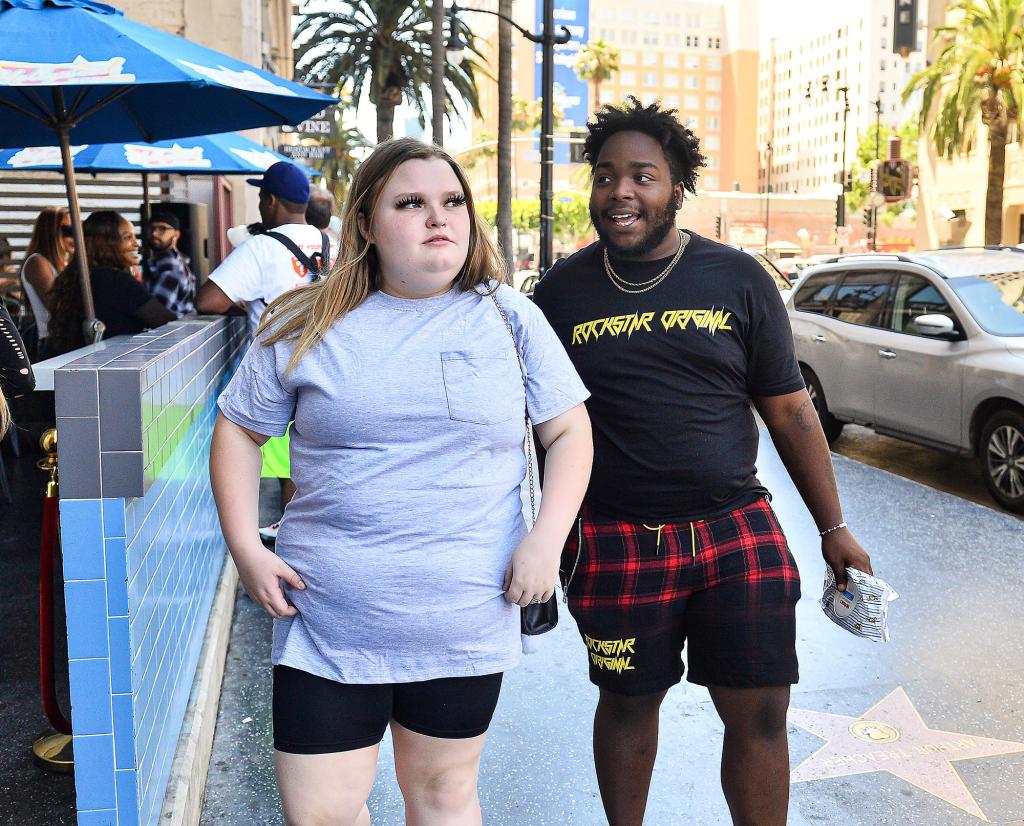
{"x": 712, "y": 162}
{"x": 673, "y": 41}
{"x": 711, "y": 142}
{"x": 710, "y": 182}
{"x": 714, "y": 63}
{"x": 691, "y": 82}
{"x": 671, "y": 101}
{"x": 690, "y": 122}
{"x": 671, "y": 61}
{"x": 692, "y": 61}
{"x": 691, "y": 102}
{"x": 627, "y": 58}
{"x": 628, "y": 37}
{"x": 627, "y": 78}
{"x": 650, "y": 59}
{"x": 649, "y": 78}
{"x": 713, "y": 122}
{"x": 671, "y": 81}
{"x": 712, "y": 103}
{"x": 713, "y": 83}
{"x": 650, "y": 38}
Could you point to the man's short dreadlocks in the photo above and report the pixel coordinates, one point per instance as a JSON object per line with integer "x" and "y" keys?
{"x": 680, "y": 145}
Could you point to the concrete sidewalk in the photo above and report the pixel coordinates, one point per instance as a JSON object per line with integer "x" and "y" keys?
{"x": 947, "y": 688}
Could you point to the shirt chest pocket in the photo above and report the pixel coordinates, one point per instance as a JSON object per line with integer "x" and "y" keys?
{"x": 482, "y": 388}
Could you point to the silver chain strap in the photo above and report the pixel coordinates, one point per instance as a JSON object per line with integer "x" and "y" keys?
{"x": 529, "y": 424}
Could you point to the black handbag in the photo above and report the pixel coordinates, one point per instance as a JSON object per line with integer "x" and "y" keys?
{"x": 538, "y": 617}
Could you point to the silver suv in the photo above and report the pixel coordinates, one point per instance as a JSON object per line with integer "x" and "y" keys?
{"x": 927, "y": 347}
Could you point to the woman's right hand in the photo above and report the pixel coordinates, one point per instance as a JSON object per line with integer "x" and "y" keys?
{"x": 261, "y": 571}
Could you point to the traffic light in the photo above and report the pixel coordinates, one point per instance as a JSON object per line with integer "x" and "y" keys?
{"x": 718, "y": 227}
{"x": 576, "y": 146}
{"x": 892, "y": 179}
{"x": 868, "y": 217}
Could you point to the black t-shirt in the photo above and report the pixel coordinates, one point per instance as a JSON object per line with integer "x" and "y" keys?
{"x": 117, "y": 297}
{"x": 671, "y": 373}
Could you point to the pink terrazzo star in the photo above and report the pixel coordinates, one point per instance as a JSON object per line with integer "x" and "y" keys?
{"x": 891, "y": 737}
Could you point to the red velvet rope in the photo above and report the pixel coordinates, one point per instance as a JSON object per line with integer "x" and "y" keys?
{"x": 47, "y": 556}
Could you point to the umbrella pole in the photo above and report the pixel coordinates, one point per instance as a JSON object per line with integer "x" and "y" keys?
{"x": 93, "y": 327}
{"x": 146, "y": 209}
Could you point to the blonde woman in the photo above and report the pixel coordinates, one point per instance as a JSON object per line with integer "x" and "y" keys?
{"x": 403, "y": 560}
{"x": 48, "y": 253}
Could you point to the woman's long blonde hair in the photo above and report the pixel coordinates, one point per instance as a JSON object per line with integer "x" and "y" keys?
{"x": 5, "y": 416}
{"x": 307, "y": 313}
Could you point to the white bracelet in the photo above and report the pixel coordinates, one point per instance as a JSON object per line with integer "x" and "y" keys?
{"x": 833, "y": 528}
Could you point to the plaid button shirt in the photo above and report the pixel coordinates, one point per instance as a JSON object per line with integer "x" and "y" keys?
{"x": 171, "y": 282}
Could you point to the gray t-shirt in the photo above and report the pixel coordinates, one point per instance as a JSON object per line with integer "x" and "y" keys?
{"x": 407, "y": 452}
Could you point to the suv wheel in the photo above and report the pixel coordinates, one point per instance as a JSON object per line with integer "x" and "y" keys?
{"x": 1002, "y": 458}
{"x": 829, "y": 423}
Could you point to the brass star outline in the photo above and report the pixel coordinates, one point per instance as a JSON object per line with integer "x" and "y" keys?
{"x": 892, "y": 737}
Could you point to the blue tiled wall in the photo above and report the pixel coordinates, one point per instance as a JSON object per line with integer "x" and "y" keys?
{"x": 142, "y": 552}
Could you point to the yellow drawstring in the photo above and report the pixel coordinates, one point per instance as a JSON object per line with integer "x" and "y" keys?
{"x": 657, "y": 548}
{"x": 693, "y": 541}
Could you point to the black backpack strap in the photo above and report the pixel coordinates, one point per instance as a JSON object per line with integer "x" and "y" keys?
{"x": 315, "y": 264}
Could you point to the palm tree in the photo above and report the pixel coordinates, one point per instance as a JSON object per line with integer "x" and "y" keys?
{"x": 437, "y": 71}
{"x": 385, "y": 45}
{"x": 597, "y": 62}
{"x": 978, "y": 74}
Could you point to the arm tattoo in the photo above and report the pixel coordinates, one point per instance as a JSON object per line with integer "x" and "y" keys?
{"x": 804, "y": 416}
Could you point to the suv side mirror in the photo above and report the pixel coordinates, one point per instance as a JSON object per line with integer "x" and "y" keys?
{"x": 936, "y": 325}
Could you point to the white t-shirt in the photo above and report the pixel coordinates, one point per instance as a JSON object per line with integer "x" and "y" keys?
{"x": 263, "y": 268}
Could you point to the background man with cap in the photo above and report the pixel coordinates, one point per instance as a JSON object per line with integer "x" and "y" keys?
{"x": 261, "y": 269}
{"x": 166, "y": 271}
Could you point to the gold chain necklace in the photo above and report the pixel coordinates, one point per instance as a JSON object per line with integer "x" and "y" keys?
{"x": 635, "y": 289}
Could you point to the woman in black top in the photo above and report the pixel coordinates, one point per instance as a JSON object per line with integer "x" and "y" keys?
{"x": 15, "y": 371}
{"x": 122, "y": 303}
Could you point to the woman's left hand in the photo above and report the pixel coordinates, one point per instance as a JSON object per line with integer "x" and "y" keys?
{"x": 531, "y": 573}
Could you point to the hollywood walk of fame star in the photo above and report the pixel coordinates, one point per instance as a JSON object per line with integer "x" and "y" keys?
{"x": 891, "y": 737}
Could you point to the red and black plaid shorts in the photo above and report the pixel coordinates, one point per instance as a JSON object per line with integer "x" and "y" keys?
{"x": 728, "y": 586}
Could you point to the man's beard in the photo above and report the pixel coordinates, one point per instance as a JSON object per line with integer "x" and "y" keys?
{"x": 658, "y": 225}
{"x": 157, "y": 246}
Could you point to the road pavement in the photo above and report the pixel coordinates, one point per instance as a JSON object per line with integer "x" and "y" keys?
{"x": 926, "y": 729}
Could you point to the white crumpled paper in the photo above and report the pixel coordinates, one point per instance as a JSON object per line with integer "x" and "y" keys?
{"x": 863, "y": 608}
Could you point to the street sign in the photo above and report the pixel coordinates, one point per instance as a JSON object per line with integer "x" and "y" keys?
{"x": 843, "y": 236}
{"x": 322, "y": 124}
{"x": 904, "y": 29}
{"x": 892, "y": 180}
{"x": 300, "y": 152}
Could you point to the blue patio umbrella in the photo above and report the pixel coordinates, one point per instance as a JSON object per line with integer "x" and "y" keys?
{"x": 77, "y": 72}
{"x": 224, "y": 154}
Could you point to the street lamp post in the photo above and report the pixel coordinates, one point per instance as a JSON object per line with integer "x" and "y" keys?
{"x": 841, "y": 201}
{"x": 548, "y": 40}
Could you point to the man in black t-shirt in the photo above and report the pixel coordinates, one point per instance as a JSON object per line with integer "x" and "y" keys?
{"x": 676, "y": 337}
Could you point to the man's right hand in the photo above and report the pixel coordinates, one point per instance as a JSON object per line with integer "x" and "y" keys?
{"x": 261, "y": 571}
{"x": 842, "y": 551}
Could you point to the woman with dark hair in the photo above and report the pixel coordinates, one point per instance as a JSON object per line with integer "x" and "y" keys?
{"x": 122, "y": 303}
{"x": 48, "y": 252}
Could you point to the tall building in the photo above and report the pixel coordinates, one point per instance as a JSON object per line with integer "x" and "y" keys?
{"x": 800, "y": 134}
{"x": 697, "y": 57}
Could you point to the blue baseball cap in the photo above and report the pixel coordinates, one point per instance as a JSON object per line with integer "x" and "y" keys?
{"x": 285, "y": 180}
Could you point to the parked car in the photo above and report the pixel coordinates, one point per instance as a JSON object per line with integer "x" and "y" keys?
{"x": 927, "y": 347}
{"x": 783, "y": 283}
